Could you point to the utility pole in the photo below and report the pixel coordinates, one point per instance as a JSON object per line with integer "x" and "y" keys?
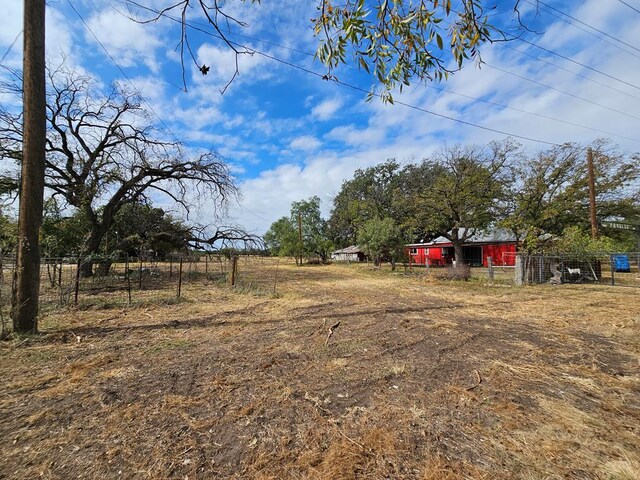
{"x": 27, "y": 277}
{"x": 300, "y": 236}
{"x": 592, "y": 194}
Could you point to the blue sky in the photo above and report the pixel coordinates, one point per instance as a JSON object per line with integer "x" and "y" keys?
{"x": 288, "y": 135}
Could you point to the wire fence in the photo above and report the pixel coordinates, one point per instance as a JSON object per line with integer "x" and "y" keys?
{"x": 126, "y": 281}
{"x": 616, "y": 269}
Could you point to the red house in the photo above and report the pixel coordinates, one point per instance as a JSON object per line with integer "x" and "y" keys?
{"x": 498, "y": 244}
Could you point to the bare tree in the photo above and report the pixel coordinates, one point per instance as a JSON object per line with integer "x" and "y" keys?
{"x": 103, "y": 153}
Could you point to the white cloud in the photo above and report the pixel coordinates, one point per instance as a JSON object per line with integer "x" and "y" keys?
{"x": 327, "y": 109}
{"x": 306, "y": 143}
{"x": 130, "y": 43}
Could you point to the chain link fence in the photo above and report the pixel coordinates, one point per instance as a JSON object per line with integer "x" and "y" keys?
{"x": 616, "y": 269}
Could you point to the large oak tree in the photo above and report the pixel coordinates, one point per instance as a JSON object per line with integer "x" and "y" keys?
{"x": 103, "y": 152}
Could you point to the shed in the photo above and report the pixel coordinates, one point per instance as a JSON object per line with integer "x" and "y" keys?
{"x": 499, "y": 244}
{"x": 349, "y": 254}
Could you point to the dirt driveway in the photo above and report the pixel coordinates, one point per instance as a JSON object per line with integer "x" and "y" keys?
{"x": 419, "y": 380}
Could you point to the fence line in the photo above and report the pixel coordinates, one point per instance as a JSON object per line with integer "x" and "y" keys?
{"x": 124, "y": 281}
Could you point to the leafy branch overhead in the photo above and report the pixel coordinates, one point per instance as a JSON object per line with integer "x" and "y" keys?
{"x": 396, "y": 41}
{"x": 399, "y": 41}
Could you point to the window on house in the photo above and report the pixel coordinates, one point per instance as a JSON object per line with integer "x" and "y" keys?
{"x": 414, "y": 251}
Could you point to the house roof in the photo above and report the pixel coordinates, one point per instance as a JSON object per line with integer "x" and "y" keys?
{"x": 498, "y": 235}
{"x": 347, "y": 250}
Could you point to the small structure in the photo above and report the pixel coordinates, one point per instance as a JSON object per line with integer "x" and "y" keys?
{"x": 349, "y": 254}
{"x": 498, "y": 244}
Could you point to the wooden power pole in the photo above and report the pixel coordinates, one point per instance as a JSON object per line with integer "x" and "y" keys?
{"x": 27, "y": 277}
{"x": 592, "y": 194}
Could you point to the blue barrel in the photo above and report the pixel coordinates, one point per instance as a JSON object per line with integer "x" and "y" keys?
{"x": 621, "y": 263}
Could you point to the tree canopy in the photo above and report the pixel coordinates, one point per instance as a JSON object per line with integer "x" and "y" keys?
{"x": 103, "y": 153}
{"x": 303, "y": 234}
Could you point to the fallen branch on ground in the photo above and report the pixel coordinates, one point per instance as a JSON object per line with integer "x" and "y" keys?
{"x": 332, "y": 328}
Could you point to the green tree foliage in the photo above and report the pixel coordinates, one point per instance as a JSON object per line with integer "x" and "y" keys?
{"x": 282, "y": 238}
{"x": 551, "y": 193}
{"x": 382, "y": 238}
{"x": 466, "y": 191}
{"x": 372, "y": 193}
{"x": 575, "y": 241}
{"x": 395, "y": 41}
{"x": 143, "y": 229}
{"x": 398, "y": 41}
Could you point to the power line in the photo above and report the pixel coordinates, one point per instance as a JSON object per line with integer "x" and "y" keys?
{"x": 560, "y": 12}
{"x": 561, "y": 91}
{"x": 587, "y": 31}
{"x": 570, "y": 71}
{"x": 629, "y": 5}
{"x": 546, "y": 117}
{"x": 323, "y": 76}
{"x": 578, "y": 63}
{"x": 11, "y": 46}
{"x": 123, "y": 72}
{"x": 362, "y": 90}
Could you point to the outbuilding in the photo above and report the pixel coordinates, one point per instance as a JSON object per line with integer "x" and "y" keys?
{"x": 349, "y": 254}
{"x": 499, "y": 244}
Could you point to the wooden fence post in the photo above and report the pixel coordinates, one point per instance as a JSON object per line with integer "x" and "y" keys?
{"x": 139, "y": 272}
{"x": 490, "y": 265}
{"x": 180, "y": 278}
{"x": 77, "y": 283}
{"x": 128, "y": 275}
{"x": 234, "y": 270}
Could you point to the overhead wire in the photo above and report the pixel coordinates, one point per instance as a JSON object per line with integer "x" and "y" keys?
{"x": 194, "y": 25}
{"x": 113, "y": 60}
{"x": 559, "y": 67}
{"x": 566, "y": 15}
{"x": 564, "y": 57}
{"x": 10, "y": 47}
{"x": 630, "y": 6}
{"x": 530, "y": 80}
{"x": 346, "y": 84}
{"x": 587, "y": 31}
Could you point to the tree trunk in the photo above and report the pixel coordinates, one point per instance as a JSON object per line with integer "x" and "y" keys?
{"x": 93, "y": 247}
{"x": 457, "y": 253}
{"x": 27, "y": 277}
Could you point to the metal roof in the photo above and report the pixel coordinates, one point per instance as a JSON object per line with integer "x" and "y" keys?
{"x": 351, "y": 249}
{"x": 498, "y": 235}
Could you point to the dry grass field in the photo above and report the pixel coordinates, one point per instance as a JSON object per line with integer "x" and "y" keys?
{"x": 420, "y": 380}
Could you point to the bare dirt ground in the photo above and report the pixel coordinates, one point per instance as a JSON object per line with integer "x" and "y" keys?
{"x": 420, "y": 380}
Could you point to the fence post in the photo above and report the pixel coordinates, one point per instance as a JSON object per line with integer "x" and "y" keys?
{"x": 139, "y": 272}
{"x": 275, "y": 279}
{"x": 170, "y": 267}
{"x": 519, "y": 271}
{"x": 77, "y": 283}
{"x": 234, "y": 270}
{"x": 490, "y": 265}
{"x": 206, "y": 265}
{"x": 613, "y": 270}
{"x": 426, "y": 266}
{"x": 128, "y": 275}
{"x": 180, "y": 278}
{"x": 60, "y": 284}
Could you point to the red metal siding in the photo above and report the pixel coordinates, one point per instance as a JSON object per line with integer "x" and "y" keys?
{"x": 503, "y": 254}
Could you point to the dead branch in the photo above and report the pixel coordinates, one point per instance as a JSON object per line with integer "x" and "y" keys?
{"x": 332, "y": 328}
